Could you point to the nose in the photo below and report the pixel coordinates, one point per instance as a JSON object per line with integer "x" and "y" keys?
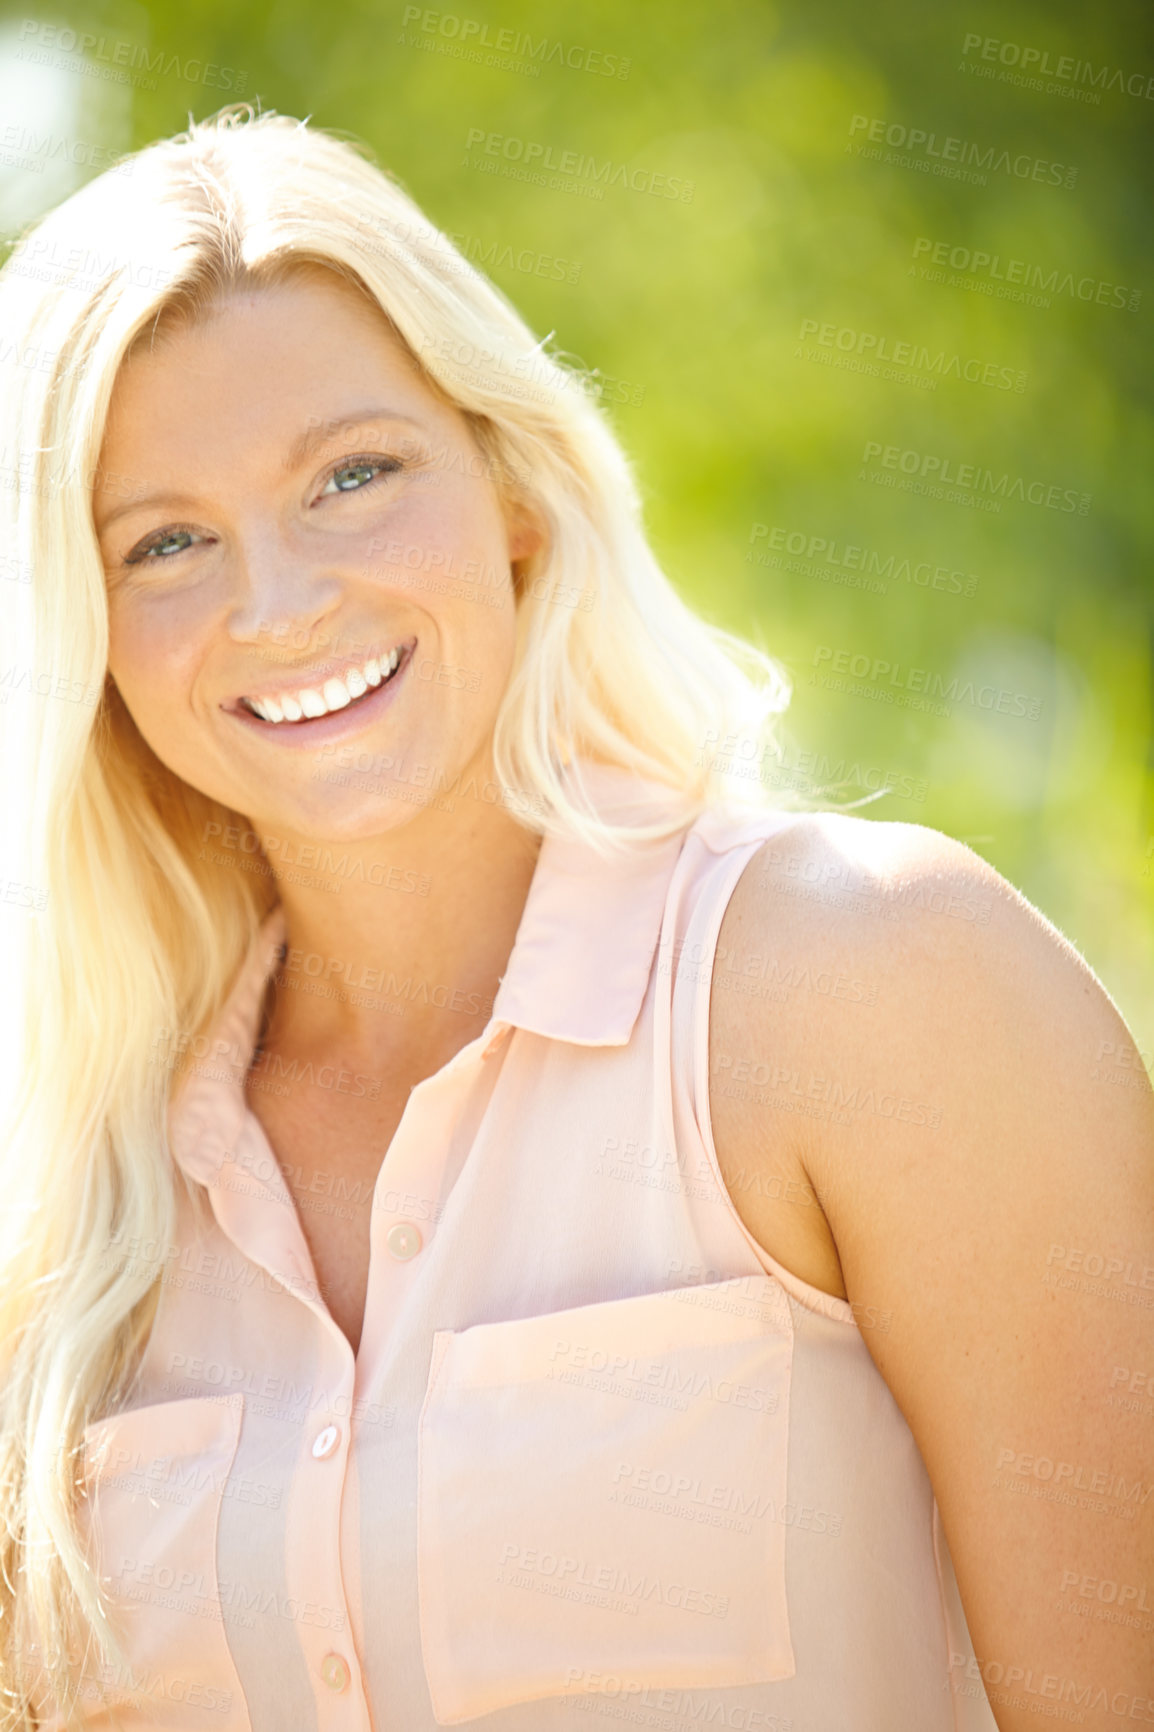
{"x": 281, "y": 593}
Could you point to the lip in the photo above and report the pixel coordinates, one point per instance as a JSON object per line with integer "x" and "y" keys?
{"x": 338, "y": 723}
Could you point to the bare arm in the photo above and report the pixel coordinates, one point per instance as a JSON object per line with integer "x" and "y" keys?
{"x": 985, "y": 1163}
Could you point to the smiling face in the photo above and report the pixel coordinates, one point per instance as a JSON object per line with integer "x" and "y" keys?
{"x": 309, "y": 584}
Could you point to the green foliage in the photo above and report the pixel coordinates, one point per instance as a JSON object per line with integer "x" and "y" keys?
{"x": 809, "y": 292}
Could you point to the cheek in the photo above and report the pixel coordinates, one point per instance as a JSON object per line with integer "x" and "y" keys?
{"x": 445, "y": 551}
{"x": 444, "y": 527}
{"x": 151, "y": 649}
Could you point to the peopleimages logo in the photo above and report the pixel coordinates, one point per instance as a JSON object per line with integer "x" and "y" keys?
{"x": 952, "y": 155}
{"x": 473, "y": 35}
{"x": 875, "y": 346}
{"x": 883, "y": 674}
{"x": 1036, "y": 62}
{"x": 828, "y": 551}
{"x": 1007, "y": 272}
{"x": 532, "y": 157}
{"x": 24, "y": 147}
{"x": 118, "y": 57}
{"x": 942, "y": 472}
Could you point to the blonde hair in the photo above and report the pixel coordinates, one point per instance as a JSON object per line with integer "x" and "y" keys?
{"x": 137, "y": 933}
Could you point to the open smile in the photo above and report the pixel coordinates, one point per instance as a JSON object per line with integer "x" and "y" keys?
{"x": 318, "y": 709}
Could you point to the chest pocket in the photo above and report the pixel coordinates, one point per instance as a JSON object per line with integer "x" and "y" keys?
{"x": 154, "y": 1479}
{"x": 599, "y": 1499}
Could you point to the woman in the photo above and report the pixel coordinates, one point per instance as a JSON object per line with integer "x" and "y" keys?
{"x": 499, "y": 1225}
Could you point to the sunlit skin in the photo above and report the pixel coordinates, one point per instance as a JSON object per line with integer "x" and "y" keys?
{"x": 234, "y": 576}
{"x": 264, "y": 577}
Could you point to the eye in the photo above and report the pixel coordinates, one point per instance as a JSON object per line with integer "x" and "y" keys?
{"x": 163, "y": 545}
{"x": 352, "y": 475}
{"x": 356, "y": 473}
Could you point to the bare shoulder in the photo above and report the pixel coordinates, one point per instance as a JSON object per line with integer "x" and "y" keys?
{"x": 863, "y": 924}
{"x": 876, "y": 886}
{"x": 866, "y": 972}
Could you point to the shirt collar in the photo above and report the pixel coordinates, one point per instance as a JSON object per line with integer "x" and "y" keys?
{"x": 583, "y": 954}
{"x": 578, "y": 971}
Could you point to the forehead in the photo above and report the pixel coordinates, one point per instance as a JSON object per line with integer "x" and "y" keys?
{"x": 265, "y": 319}
{"x": 260, "y": 358}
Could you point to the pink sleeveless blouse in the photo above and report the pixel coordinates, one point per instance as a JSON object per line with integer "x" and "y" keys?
{"x": 599, "y": 1459}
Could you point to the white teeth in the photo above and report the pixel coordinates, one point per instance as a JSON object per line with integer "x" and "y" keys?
{"x": 335, "y": 694}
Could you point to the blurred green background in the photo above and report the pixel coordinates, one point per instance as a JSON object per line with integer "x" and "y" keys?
{"x": 839, "y": 251}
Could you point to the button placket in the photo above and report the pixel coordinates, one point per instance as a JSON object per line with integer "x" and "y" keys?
{"x": 408, "y": 1184}
{"x": 407, "y": 1201}
{"x": 403, "y": 1240}
{"x": 325, "y": 1442}
{"x": 314, "y": 1541}
{"x": 335, "y": 1672}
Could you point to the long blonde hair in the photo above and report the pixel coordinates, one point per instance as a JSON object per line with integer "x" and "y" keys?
{"x": 135, "y": 932}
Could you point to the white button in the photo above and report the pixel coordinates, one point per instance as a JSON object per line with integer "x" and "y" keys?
{"x": 326, "y": 1441}
{"x": 335, "y": 1672}
{"x": 403, "y": 1240}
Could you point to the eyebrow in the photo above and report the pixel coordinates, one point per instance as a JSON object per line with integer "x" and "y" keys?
{"x": 324, "y": 433}
{"x": 328, "y": 429}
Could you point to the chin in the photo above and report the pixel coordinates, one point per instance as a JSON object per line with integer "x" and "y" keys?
{"x": 351, "y": 820}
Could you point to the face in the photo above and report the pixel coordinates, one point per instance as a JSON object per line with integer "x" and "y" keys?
{"x": 311, "y": 606}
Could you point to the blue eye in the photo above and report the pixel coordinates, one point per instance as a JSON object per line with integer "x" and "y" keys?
{"x": 352, "y": 476}
{"x": 161, "y": 546}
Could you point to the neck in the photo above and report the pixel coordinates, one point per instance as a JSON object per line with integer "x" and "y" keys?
{"x": 400, "y": 965}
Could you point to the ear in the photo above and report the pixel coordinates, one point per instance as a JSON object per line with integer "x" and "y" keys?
{"x": 526, "y": 529}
